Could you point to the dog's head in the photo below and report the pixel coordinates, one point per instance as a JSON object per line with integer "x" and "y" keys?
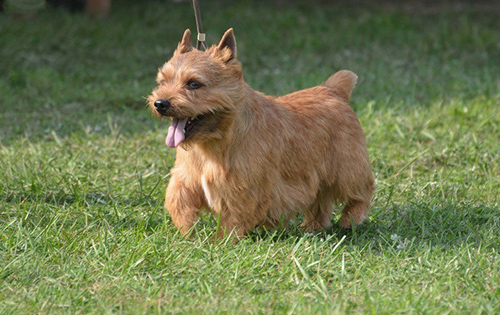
{"x": 198, "y": 90}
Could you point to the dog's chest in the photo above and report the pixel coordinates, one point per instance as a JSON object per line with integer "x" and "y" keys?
{"x": 215, "y": 190}
{"x": 220, "y": 187}
{"x": 206, "y": 190}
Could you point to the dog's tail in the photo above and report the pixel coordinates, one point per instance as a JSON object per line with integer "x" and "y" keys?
{"x": 342, "y": 82}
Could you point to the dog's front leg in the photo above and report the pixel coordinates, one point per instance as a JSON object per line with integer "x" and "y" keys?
{"x": 241, "y": 218}
{"x": 183, "y": 203}
{"x": 230, "y": 225}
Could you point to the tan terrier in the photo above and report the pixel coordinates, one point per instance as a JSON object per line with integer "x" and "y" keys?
{"x": 257, "y": 160}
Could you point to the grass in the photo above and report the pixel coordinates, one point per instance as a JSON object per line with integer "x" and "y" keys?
{"x": 84, "y": 167}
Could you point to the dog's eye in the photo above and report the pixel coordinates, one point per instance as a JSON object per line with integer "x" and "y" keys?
{"x": 193, "y": 85}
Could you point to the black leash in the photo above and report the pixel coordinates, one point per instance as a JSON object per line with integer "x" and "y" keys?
{"x": 199, "y": 27}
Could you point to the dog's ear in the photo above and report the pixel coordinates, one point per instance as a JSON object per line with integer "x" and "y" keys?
{"x": 185, "y": 44}
{"x": 226, "y": 49}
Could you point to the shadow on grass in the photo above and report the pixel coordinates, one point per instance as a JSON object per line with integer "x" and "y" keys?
{"x": 68, "y": 199}
{"x": 93, "y": 210}
{"x": 402, "y": 226}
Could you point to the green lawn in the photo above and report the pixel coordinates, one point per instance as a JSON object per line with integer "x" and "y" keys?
{"x": 83, "y": 165}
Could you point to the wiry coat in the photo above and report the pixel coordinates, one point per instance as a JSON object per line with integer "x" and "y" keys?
{"x": 256, "y": 159}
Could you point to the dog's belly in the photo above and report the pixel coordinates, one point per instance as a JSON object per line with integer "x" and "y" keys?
{"x": 292, "y": 197}
{"x": 272, "y": 200}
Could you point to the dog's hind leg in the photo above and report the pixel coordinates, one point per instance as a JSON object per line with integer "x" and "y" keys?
{"x": 354, "y": 213}
{"x": 357, "y": 207}
{"x": 318, "y": 215}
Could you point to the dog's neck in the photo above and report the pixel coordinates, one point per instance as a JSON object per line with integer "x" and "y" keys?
{"x": 249, "y": 109}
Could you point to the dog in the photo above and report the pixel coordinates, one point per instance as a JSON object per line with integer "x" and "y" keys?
{"x": 256, "y": 160}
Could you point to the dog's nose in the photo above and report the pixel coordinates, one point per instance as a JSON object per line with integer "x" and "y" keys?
{"x": 162, "y": 106}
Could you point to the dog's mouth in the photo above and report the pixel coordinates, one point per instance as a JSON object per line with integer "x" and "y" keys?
{"x": 191, "y": 123}
{"x": 180, "y": 129}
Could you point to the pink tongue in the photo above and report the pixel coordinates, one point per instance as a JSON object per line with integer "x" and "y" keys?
{"x": 175, "y": 132}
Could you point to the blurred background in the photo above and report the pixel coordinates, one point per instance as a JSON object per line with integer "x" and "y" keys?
{"x": 62, "y": 59}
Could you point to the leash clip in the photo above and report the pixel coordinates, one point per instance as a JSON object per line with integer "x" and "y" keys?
{"x": 199, "y": 28}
